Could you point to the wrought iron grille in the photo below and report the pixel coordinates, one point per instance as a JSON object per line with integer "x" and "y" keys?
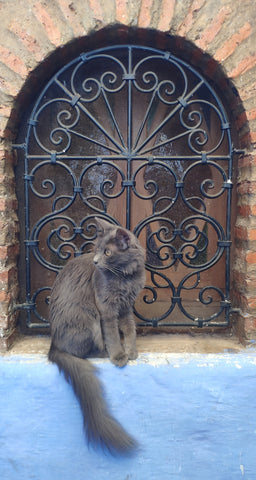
{"x": 136, "y": 136}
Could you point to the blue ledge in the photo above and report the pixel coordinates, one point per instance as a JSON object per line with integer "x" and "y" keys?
{"x": 193, "y": 415}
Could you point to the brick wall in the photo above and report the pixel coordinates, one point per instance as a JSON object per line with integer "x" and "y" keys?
{"x": 216, "y": 36}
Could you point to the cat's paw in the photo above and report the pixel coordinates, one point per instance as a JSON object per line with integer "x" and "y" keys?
{"x": 120, "y": 359}
{"x": 133, "y": 355}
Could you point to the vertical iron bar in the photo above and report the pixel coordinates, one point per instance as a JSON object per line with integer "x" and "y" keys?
{"x": 228, "y": 218}
{"x": 228, "y": 229}
{"x": 129, "y": 141}
{"x": 27, "y": 230}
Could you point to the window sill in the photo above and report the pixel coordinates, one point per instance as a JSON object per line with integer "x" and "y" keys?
{"x": 162, "y": 343}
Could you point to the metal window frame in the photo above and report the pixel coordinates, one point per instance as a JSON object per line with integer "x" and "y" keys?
{"x": 122, "y": 149}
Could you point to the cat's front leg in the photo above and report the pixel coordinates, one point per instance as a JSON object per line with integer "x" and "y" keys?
{"x": 112, "y": 341}
{"x": 128, "y": 328}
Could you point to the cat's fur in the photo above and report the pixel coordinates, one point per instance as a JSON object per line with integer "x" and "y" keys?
{"x": 91, "y": 310}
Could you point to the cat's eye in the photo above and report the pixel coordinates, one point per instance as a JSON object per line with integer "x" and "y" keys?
{"x": 108, "y": 252}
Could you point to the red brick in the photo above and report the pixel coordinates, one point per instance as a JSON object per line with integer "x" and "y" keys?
{"x": 161, "y": 42}
{"x": 251, "y": 257}
{"x": 7, "y": 341}
{"x": 13, "y": 62}
{"x": 4, "y": 275}
{"x": 29, "y": 42}
{"x": 252, "y": 303}
{"x": 244, "y": 210}
{"x": 44, "y": 17}
{"x": 5, "y": 155}
{"x": 10, "y": 251}
{"x": 180, "y": 43}
{"x": 96, "y": 10}
{"x": 246, "y": 161}
{"x": 121, "y": 11}
{"x": 246, "y": 64}
{"x": 245, "y": 140}
{"x": 3, "y": 296}
{"x": 208, "y": 34}
{"x": 3, "y": 251}
{"x": 250, "y": 324}
{"x": 187, "y": 23}
{"x": 232, "y": 43}
{"x": 197, "y": 55}
{"x": 241, "y": 233}
{"x": 8, "y": 204}
{"x": 247, "y": 92}
{"x": 166, "y": 14}
{"x": 69, "y": 11}
{"x": 5, "y": 111}
{"x": 211, "y": 68}
{"x": 241, "y": 119}
{"x": 7, "y": 134}
{"x": 9, "y": 87}
{"x": 253, "y": 137}
{"x": 144, "y": 19}
{"x": 252, "y": 234}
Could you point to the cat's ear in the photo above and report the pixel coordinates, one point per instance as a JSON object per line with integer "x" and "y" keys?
{"x": 102, "y": 226}
{"x": 122, "y": 239}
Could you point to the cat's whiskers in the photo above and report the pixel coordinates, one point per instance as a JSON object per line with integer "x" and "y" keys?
{"x": 115, "y": 270}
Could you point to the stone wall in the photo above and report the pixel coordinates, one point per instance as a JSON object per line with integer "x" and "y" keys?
{"x": 216, "y": 36}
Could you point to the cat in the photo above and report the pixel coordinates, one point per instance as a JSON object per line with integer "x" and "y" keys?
{"x": 91, "y": 311}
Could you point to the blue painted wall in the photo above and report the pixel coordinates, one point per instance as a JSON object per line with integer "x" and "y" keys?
{"x": 194, "y": 416}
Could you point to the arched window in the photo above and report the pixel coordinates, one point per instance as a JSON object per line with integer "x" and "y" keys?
{"x": 137, "y": 136}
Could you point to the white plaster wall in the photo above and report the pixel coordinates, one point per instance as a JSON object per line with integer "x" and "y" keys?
{"x": 193, "y": 415}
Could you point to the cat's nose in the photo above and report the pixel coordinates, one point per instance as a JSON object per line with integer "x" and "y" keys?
{"x": 95, "y": 259}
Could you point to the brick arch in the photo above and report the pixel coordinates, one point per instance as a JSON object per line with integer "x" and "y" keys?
{"x": 225, "y": 32}
{"x": 211, "y": 69}
{"x": 121, "y": 34}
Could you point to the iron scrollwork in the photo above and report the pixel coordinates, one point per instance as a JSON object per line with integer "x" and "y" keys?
{"x": 137, "y": 136}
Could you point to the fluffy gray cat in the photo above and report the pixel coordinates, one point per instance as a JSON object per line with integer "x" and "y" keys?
{"x": 91, "y": 311}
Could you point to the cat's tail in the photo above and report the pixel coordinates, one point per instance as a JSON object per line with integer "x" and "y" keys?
{"x": 99, "y": 425}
